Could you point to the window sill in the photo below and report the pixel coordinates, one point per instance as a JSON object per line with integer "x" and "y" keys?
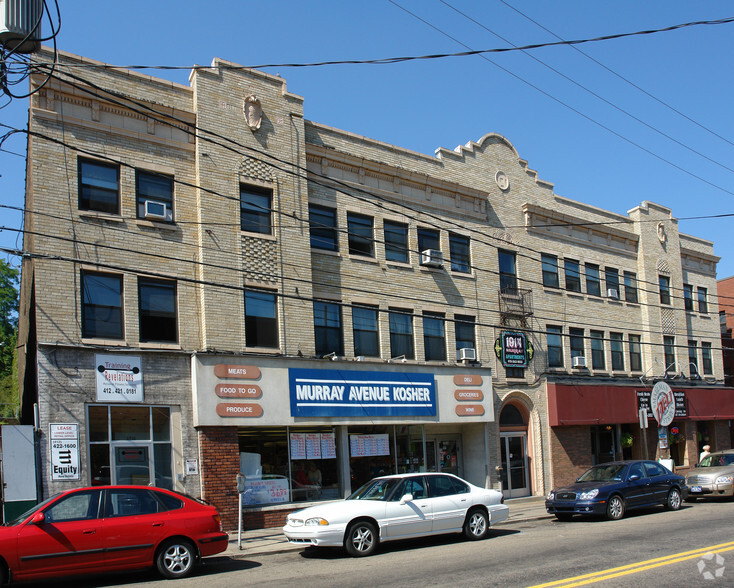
{"x": 574, "y": 294}
{"x": 325, "y": 252}
{"x": 150, "y": 345}
{"x": 106, "y": 216}
{"x": 104, "y": 342}
{"x": 463, "y": 275}
{"x": 398, "y": 264}
{"x": 263, "y": 350}
{"x": 156, "y": 225}
{"x": 362, "y": 258}
{"x": 252, "y": 235}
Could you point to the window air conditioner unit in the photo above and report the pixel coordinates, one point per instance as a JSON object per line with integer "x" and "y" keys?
{"x": 579, "y": 361}
{"x": 612, "y": 293}
{"x": 432, "y": 258}
{"x": 467, "y": 354}
{"x": 155, "y": 209}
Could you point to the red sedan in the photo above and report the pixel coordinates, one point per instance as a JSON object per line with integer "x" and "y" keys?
{"x": 110, "y": 528}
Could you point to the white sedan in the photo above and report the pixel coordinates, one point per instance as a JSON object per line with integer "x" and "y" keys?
{"x": 398, "y": 507}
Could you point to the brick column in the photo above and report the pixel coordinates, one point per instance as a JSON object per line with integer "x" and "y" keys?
{"x": 220, "y": 463}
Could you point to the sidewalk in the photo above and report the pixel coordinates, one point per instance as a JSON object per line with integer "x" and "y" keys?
{"x": 268, "y": 541}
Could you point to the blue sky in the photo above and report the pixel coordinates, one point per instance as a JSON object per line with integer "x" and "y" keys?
{"x": 576, "y": 131}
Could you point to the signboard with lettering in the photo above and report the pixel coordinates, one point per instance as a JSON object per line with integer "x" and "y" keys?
{"x": 64, "y": 443}
{"x": 513, "y": 349}
{"x": 679, "y": 399}
{"x": 119, "y": 378}
{"x": 340, "y": 393}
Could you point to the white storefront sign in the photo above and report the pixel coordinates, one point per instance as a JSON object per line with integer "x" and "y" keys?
{"x": 64, "y": 442}
{"x": 119, "y": 378}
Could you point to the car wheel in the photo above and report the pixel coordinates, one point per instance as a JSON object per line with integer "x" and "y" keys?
{"x": 476, "y": 525}
{"x": 673, "y": 501}
{"x": 563, "y": 516}
{"x": 175, "y": 559}
{"x": 615, "y": 508}
{"x": 361, "y": 539}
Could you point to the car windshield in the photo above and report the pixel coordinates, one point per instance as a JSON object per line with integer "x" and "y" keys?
{"x": 716, "y": 460}
{"x": 604, "y": 473}
{"x": 377, "y": 489}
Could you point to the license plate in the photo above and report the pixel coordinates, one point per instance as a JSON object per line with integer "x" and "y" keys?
{"x": 696, "y": 489}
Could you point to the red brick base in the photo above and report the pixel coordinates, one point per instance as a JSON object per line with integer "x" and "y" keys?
{"x": 220, "y": 464}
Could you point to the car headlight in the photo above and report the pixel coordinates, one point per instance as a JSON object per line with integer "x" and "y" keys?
{"x": 551, "y": 495}
{"x": 724, "y": 479}
{"x": 316, "y": 521}
{"x": 589, "y": 494}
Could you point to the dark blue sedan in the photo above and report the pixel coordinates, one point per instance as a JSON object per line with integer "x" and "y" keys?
{"x": 612, "y": 488}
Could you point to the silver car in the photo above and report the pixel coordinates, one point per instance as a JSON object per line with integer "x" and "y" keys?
{"x": 713, "y": 477}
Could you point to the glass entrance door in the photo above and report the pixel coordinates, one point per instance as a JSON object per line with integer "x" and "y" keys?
{"x": 514, "y": 465}
{"x": 132, "y": 465}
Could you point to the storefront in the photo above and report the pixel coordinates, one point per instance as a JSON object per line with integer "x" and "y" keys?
{"x": 598, "y": 423}
{"x": 308, "y": 431}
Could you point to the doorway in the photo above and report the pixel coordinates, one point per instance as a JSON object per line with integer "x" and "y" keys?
{"x": 603, "y": 444}
{"x": 514, "y": 476}
{"x": 131, "y": 464}
{"x": 444, "y": 455}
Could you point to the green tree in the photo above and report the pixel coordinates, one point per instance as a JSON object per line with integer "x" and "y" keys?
{"x": 8, "y": 339}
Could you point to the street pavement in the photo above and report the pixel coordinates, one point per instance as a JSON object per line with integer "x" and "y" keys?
{"x": 267, "y": 541}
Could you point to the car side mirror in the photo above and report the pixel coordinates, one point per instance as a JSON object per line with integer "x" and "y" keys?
{"x": 38, "y": 518}
{"x": 406, "y": 498}
{"x": 633, "y": 478}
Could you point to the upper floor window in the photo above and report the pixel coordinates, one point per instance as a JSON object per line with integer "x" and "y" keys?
{"x": 669, "y": 353}
{"x": 327, "y": 323}
{"x": 593, "y": 283}
{"x": 688, "y": 296}
{"x": 615, "y": 343}
{"x": 401, "y": 334}
{"x": 573, "y": 277}
{"x": 101, "y": 305}
{"x": 99, "y": 186}
{"x": 693, "y": 357}
{"x": 434, "y": 338}
{"x": 465, "y": 333}
{"x": 597, "y": 350}
{"x": 154, "y": 195}
{"x": 158, "y": 317}
{"x": 261, "y": 319}
{"x": 703, "y": 305}
{"x": 554, "y": 343}
{"x": 635, "y": 353}
{"x": 256, "y": 206}
{"x": 708, "y": 368}
{"x": 611, "y": 279}
{"x": 361, "y": 237}
{"x": 630, "y": 287}
{"x": 428, "y": 239}
{"x": 322, "y": 224}
{"x": 664, "y": 282}
{"x": 396, "y": 241}
{"x": 576, "y": 339}
{"x": 459, "y": 251}
{"x": 549, "y": 265}
{"x": 508, "y": 270}
{"x": 366, "y": 335}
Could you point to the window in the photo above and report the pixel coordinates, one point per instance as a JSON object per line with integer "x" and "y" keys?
{"x": 459, "y": 251}
{"x": 322, "y": 223}
{"x": 630, "y": 287}
{"x": 693, "y": 357}
{"x": 615, "y": 342}
{"x": 99, "y": 186}
{"x": 464, "y": 327}
{"x": 611, "y": 277}
{"x": 428, "y": 239}
{"x": 327, "y": 318}
{"x": 158, "y": 316}
{"x": 433, "y": 336}
{"x": 131, "y": 502}
{"x": 255, "y": 209}
{"x": 361, "y": 238}
{"x": 157, "y": 191}
{"x": 635, "y": 353}
{"x": 554, "y": 343}
{"x": 366, "y": 338}
{"x": 401, "y": 334}
{"x": 101, "y": 306}
{"x": 396, "y": 242}
{"x": 703, "y": 306}
{"x": 593, "y": 283}
{"x": 573, "y": 277}
{"x": 688, "y": 296}
{"x": 549, "y": 265}
{"x": 664, "y": 282}
{"x": 75, "y": 507}
{"x": 576, "y": 337}
{"x": 597, "y": 350}
{"x": 706, "y": 358}
{"x": 669, "y": 352}
{"x": 261, "y": 322}
{"x": 508, "y": 271}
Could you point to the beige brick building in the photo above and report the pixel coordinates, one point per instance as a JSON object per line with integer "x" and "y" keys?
{"x": 215, "y": 284}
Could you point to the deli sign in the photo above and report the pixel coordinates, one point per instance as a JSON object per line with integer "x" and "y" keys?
{"x": 662, "y": 403}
